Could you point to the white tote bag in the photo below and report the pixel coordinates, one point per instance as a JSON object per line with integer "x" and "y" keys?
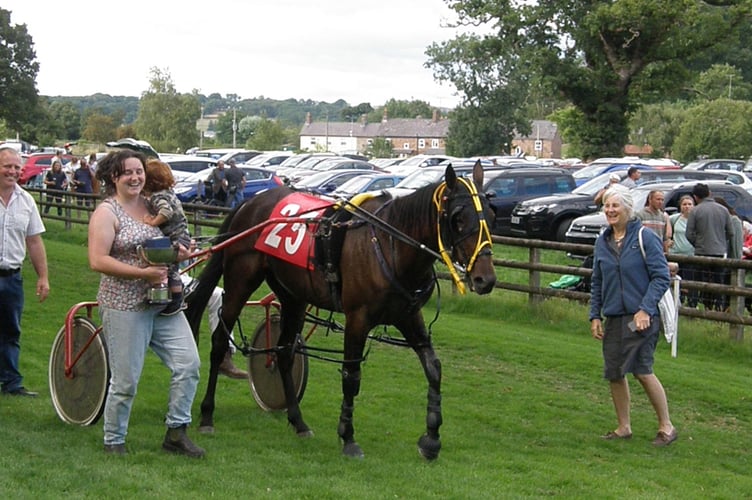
{"x": 666, "y": 306}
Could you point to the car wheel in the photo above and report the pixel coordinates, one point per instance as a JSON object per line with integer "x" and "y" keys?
{"x": 561, "y": 229}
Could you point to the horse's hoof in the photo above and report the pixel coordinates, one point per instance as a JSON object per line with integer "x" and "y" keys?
{"x": 428, "y": 447}
{"x": 305, "y": 434}
{"x": 206, "y": 429}
{"x": 352, "y": 450}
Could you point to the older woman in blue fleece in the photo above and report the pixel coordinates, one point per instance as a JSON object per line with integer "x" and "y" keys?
{"x": 626, "y": 288}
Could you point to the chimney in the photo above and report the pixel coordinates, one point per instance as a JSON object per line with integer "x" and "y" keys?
{"x": 384, "y": 116}
{"x": 364, "y": 119}
{"x": 435, "y": 115}
{"x": 308, "y": 118}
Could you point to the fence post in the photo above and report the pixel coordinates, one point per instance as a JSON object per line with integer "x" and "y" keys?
{"x": 535, "y": 276}
{"x": 736, "y": 331}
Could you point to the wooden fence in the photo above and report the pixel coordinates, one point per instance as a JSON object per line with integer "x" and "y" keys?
{"x": 202, "y": 217}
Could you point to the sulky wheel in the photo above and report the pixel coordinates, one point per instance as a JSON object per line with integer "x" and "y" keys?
{"x": 264, "y": 378}
{"x": 79, "y": 399}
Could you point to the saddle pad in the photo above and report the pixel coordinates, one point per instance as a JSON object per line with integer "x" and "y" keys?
{"x": 293, "y": 242}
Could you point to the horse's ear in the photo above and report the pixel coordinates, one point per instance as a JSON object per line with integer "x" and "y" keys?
{"x": 450, "y": 177}
{"x": 478, "y": 175}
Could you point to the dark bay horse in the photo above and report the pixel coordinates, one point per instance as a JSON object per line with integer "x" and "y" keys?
{"x": 386, "y": 275}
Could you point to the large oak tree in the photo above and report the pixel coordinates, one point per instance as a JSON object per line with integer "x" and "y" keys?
{"x": 603, "y": 56}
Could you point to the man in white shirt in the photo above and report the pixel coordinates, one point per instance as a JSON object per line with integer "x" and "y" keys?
{"x": 21, "y": 230}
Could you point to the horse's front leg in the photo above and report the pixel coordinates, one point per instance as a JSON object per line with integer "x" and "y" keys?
{"x": 291, "y": 324}
{"x": 414, "y": 331}
{"x": 355, "y": 337}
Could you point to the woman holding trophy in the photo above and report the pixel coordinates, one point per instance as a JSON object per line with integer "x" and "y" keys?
{"x": 130, "y": 322}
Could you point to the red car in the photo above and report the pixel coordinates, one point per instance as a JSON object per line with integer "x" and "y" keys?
{"x": 36, "y": 166}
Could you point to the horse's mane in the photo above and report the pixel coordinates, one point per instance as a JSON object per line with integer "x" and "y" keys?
{"x": 414, "y": 209}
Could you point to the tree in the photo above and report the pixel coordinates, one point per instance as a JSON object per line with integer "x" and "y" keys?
{"x": 99, "y": 128}
{"x": 267, "y": 135}
{"x": 658, "y": 125}
{"x": 380, "y": 147}
{"x": 67, "y": 120}
{"x": 722, "y": 80}
{"x": 717, "y": 129}
{"x": 594, "y": 52}
{"x": 167, "y": 119}
{"x": 18, "y": 73}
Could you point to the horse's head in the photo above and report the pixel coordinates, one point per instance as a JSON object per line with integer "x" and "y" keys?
{"x": 464, "y": 237}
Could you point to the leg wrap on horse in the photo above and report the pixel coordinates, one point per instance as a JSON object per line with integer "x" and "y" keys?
{"x": 350, "y": 389}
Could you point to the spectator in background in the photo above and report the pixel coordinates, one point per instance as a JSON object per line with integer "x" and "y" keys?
{"x": 736, "y": 242}
{"x": 56, "y": 180}
{"x": 747, "y": 248}
{"x": 682, "y": 246}
{"x": 653, "y": 217}
{"x": 93, "y": 167}
{"x": 633, "y": 175}
{"x": 218, "y": 184}
{"x": 83, "y": 183}
{"x": 612, "y": 179}
{"x": 21, "y": 231}
{"x": 709, "y": 229}
{"x": 235, "y": 184}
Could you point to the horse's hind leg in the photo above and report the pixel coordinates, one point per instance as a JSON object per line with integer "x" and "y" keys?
{"x": 239, "y": 283}
{"x": 414, "y": 331}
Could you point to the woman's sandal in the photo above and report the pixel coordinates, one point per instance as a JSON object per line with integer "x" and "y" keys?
{"x": 611, "y": 435}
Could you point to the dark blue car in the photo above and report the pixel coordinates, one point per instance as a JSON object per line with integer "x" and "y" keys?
{"x": 194, "y": 190}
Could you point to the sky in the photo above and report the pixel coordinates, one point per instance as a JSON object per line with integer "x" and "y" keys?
{"x": 324, "y": 50}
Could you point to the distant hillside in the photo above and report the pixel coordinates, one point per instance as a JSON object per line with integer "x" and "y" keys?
{"x": 290, "y": 112}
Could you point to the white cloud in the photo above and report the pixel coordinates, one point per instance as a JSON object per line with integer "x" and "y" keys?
{"x": 324, "y": 50}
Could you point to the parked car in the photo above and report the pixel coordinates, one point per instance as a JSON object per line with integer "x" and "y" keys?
{"x": 549, "y": 217}
{"x": 604, "y": 165}
{"x": 326, "y": 182}
{"x": 367, "y": 182}
{"x": 192, "y": 188}
{"x": 329, "y": 165}
{"x": 585, "y": 230}
{"x": 240, "y": 155}
{"x": 415, "y": 162}
{"x": 429, "y": 175}
{"x": 184, "y": 165}
{"x": 269, "y": 159}
{"x": 507, "y": 187}
{"x": 716, "y": 164}
{"x": 304, "y": 161}
{"x": 36, "y": 166}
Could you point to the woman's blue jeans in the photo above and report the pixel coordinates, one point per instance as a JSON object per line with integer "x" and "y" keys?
{"x": 128, "y": 334}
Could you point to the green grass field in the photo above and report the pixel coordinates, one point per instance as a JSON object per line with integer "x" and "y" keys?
{"x": 524, "y": 405}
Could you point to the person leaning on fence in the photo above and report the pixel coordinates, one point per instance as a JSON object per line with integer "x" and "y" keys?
{"x": 55, "y": 180}
{"x": 129, "y": 324}
{"x": 82, "y": 181}
{"x": 709, "y": 229}
{"x": 655, "y": 218}
{"x": 626, "y": 288}
{"x": 21, "y": 231}
{"x": 682, "y": 246}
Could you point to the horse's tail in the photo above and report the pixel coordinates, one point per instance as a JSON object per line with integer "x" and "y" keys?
{"x": 207, "y": 281}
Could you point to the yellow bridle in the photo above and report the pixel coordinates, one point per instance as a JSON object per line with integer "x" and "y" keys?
{"x": 484, "y": 234}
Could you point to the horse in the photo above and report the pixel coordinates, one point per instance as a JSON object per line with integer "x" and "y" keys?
{"x": 384, "y": 276}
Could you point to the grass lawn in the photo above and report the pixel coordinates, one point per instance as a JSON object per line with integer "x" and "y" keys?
{"x": 524, "y": 405}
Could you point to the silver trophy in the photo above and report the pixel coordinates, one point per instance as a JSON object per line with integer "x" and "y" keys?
{"x": 156, "y": 252}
